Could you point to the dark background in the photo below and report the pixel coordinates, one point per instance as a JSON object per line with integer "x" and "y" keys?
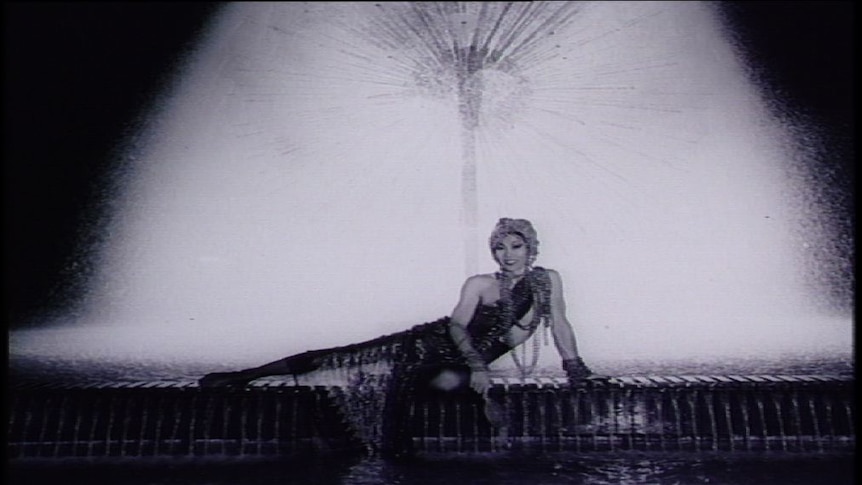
{"x": 78, "y": 77}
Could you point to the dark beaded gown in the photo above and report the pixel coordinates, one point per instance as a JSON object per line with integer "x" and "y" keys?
{"x": 378, "y": 379}
{"x": 376, "y": 403}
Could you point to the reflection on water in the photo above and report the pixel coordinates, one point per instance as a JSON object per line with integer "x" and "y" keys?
{"x": 479, "y": 469}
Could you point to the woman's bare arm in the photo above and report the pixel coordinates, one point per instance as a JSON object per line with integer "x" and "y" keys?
{"x": 461, "y": 315}
{"x": 469, "y": 300}
{"x": 561, "y": 329}
{"x": 564, "y": 336}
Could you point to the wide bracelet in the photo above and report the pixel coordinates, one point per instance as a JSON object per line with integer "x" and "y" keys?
{"x": 576, "y": 369}
{"x": 462, "y": 342}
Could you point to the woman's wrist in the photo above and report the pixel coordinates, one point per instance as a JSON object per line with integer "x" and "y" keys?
{"x": 576, "y": 368}
{"x": 462, "y": 342}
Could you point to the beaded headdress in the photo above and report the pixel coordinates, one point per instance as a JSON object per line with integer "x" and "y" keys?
{"x": 539, "y": 283}
{"x": 520, "y": 227}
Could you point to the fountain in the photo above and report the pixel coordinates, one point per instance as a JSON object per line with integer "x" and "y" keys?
{"x": 752, "y": 413}
{"x": 318, "y": 174}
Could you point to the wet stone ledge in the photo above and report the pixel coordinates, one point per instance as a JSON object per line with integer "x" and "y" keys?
{"x": 697, "y": 413}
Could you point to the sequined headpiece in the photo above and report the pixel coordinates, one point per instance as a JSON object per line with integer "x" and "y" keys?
{"x": 520, "y": 227}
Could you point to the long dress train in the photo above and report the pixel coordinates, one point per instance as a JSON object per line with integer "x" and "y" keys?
{"x": 378, "y": 379}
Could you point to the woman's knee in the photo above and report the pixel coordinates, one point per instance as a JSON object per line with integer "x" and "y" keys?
{"x": 449, "y": 380}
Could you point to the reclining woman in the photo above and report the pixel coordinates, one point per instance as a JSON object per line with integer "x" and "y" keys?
{"x": 495, "y": 314}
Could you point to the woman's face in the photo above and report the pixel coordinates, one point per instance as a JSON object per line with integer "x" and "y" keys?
{"x": 511, "y": 254}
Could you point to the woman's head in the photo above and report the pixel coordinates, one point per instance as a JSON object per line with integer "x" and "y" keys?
{"x": 514, "y": 244}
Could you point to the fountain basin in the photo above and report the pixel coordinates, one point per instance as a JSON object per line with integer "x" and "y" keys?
{"x": 673, "y": 413}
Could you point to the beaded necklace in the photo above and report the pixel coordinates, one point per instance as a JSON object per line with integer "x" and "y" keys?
{"x": 540, "y": 285}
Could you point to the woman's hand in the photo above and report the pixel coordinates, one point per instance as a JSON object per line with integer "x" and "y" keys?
{"x": 480, "y": 381}
{"x": 577, "y": 371}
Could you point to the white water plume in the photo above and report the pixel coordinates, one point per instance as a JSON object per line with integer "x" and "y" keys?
{"x": 302, "y": 184}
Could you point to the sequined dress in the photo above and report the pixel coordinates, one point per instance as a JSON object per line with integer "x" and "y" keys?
{"x": 376, "y": 402}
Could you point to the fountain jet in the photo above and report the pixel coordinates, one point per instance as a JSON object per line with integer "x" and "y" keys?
{"x": 300, "y": 184}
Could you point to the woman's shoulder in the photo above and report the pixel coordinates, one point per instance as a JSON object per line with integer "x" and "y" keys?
{"x": 542, "y": 269}
{"x": 486, "y": 278}
{"x": 477, "y": 284}
{"x": 550, "y": 275}
{"x": 481, "y": 279}
{"x": 490, "y": 278}
{"x": 547, "y": 274}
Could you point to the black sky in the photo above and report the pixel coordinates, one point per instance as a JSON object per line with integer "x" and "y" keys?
{"x": 77, "y": 77}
